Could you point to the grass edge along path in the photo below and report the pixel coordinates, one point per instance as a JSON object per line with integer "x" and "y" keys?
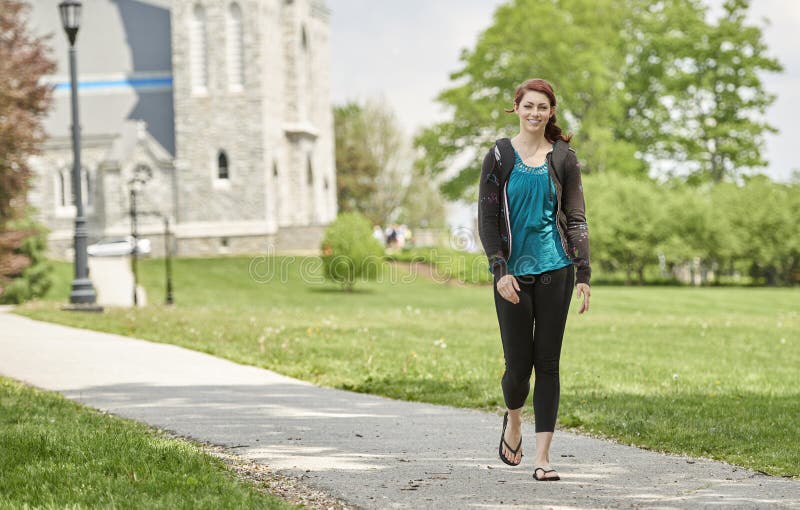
{"x": 704, "y": 372}
{"x": 57, "y": 454}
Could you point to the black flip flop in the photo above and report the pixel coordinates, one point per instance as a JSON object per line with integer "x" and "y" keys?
{"x": 545, "y": 478}
{"x": 503, "y": 442}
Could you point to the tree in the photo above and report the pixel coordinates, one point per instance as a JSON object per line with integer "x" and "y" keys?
{"x": 356, "y": 169}
{"x": 763, "y": 217}
{"x": 696, "y": 230}
{"x": 579, "y": 50}
{"x": 23, "y": 102}
{"x": 638, "y": 81}
{"x": 694, "y": 93}
{"x": 423, "y": 205}
{"x": 626, "y": 222}
{"x": 373, "y": 160}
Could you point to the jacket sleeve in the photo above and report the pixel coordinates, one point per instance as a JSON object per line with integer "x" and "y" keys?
{"x": 490, "y": 215}
{"x": 575, "y": 210}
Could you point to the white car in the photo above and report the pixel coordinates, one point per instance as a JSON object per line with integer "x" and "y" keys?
{"x": 118, "y": 246}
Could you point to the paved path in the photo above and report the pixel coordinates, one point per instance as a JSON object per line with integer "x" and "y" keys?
{"x": 370, "y": 451}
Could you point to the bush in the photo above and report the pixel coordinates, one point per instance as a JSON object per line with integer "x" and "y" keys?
{"x": 22, "y": 248}
{"x": 349, "y": 251}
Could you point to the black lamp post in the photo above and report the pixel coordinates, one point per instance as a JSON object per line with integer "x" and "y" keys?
{"x": 82, "y": 290}
{"x": 168, "y": 261}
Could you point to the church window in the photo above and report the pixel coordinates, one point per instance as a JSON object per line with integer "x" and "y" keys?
{"x": 304, "y": 82}
{"x": 61, "y": 189}
{"x": 198, "y": 50}
{"x": 87, "y": 188}
{"x": 275, "y": 169}
{"x": 222, "y": 166}
{"x": 235, "y": 48}
{"x": 310, "y": 171}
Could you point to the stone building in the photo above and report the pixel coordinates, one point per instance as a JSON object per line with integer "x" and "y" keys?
{"x": 224, "y": 105}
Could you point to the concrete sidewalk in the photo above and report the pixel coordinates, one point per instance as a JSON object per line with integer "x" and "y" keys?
{"x": 369, "y": 451}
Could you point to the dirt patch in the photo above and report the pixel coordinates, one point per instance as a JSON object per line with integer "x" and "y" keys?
{"x": 291, "y": 489}
{"x": 427, "y": 271}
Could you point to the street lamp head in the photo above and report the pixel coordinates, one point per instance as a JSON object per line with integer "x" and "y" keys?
{"x": 70, "y": 18}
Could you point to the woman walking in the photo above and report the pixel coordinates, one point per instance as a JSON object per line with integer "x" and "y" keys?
{"x": 533, "y": 228}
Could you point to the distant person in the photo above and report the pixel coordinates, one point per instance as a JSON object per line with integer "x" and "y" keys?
{"x": 533, "y": 228}
{"x": 377, "y": 233}
{"x": 391, "y": 236}
{"x": 402, "y": 233}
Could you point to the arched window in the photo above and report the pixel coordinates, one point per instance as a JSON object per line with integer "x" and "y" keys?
{"x": 198, "y": 50}
{"x": 304, "y": 77}
{"x": 235, "y": 47}
{"x": 275, "y": 169}
{"x": 222, "y": 165}
{"x": 61, "y": 189}
{"x": 87, "y": 188}
{"x": 310, "y": 171}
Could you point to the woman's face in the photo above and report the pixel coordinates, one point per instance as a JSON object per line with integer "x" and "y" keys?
{"x": 534, "y": 111}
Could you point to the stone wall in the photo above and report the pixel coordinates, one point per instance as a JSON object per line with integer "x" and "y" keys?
{"x": 219, "y": 119}
{"x": 305, "y": 240}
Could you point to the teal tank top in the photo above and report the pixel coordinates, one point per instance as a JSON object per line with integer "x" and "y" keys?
{"x": 535, "y": 243}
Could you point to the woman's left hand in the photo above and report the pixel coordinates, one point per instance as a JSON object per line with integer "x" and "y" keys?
{"x": 583, "y": 289}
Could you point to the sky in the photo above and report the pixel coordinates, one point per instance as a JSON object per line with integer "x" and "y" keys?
{"x": 403, "y": 53}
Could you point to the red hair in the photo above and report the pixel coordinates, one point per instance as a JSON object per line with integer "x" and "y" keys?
{"x": 551, "y": 131}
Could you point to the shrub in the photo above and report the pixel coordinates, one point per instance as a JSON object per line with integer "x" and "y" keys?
{"x": 25, "y": 273}
{"x": 349, "y": 251}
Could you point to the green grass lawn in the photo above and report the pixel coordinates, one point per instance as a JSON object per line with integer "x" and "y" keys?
{"x": 700, "y": 371}
{"x": 58, "y": 454}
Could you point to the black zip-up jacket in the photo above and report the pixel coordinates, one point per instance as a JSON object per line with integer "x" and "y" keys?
{"x": 494, "y": 225}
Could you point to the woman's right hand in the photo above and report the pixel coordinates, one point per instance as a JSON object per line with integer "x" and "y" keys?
{"x": 507, "y": 287}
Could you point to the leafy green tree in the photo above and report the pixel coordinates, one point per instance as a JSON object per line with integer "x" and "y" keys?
{"x": 695, "y": 229}
{"x": 658, "y": 37}
{"x": 639, "y": 82}
{"x": 373, "y": 160}
{"x": 730, "y": 227}
{"x": 423, "y": 205}
{"x": 627, "y": 222}
{"x": 705, "y": 102}
{"x": 356, "y": 168}
{"x": 763, "y": 218}
{"x": 578, "y": 51}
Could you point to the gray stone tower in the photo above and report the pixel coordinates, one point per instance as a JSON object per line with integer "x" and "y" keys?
{"x": 253, "y": 124}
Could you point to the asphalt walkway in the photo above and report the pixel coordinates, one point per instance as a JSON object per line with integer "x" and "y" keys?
{"x": 369, "y": 451}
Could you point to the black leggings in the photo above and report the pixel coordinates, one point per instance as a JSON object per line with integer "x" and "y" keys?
{"x": 543, "y": 300}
